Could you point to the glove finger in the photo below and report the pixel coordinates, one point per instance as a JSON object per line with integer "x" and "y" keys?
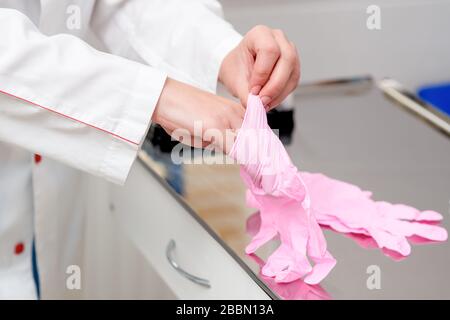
{"x": 404, "y": 212}
{"x": 317, "y": 245}
{"x": 390, "y": 241}
{"x": 285, "y": 264}
{"x": 422, "y": 230}
{"x": 264, "y": 235}
{"x": 429, "y": 215}
{"x": 317, "y": 252}
{"x": 267, "y": 231}
{"x": 337, "y": 225}
{"x": 296, "y": 269}
{"x": 323, "y": 265}
{"x": 288, "y": 275}
{"x": 360, "y": 236}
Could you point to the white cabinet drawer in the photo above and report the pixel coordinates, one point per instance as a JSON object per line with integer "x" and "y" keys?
{"x": 151, "y": 216}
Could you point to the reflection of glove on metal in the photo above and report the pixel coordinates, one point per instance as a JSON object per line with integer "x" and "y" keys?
{"x": 275, "y": 187}
{"x": 296, "y": 290}
{"x": 346, "y": 208}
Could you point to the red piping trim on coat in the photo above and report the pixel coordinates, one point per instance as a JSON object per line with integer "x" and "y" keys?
{"x": 69, "y": 117}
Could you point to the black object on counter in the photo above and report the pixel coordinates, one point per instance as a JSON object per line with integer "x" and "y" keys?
{"x": 159, "y": 138}
{"x": 281, "y": 120}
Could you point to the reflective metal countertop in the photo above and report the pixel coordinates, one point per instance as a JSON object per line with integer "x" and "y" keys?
{"x": 352, "y": 132}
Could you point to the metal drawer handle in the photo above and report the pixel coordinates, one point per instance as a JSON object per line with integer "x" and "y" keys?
{"x": 170, "y": 248}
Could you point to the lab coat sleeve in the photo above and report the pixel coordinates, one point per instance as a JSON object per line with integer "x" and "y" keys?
{"x": 186, "y": 39}
{"x": 63, "y": 99}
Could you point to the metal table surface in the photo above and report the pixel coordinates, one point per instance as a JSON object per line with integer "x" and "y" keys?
{"x": 356, "y": 134}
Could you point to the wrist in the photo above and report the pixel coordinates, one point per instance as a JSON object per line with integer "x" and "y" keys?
{"x": 165, "y": 100}
{"x": 226, "y": 73}
{"x": 222, "y": 77}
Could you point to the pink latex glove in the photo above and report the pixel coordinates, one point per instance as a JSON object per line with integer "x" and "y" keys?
{"x": 296, "y": 290}
{"x": 348, "y": 209}
{"x": 276, "y": 189}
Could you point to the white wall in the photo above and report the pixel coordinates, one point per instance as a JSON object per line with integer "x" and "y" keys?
{"x": 413, "y": 45}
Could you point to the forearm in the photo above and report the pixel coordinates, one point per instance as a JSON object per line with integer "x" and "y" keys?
{"x": 65, "y": 100}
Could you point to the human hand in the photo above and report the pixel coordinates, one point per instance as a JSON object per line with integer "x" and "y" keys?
{"x": 206, "y": 119}
{"x": 265, "y": 63}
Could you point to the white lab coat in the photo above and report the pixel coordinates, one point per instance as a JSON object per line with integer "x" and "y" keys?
{"x": 85, "y": 111}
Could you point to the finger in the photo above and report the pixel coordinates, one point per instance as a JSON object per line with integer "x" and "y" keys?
{"x": 291, "y": 85}
{"x": 265, "y": 49}
{"x": 323, "y": 265}
{"x": 286, "y": 65}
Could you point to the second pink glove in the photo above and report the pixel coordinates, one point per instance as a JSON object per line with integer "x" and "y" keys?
{"x": 347, "y": 209}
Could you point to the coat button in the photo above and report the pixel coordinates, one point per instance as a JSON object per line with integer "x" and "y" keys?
{"x": 18, "y": 249}
{"x": 37, "y": 158}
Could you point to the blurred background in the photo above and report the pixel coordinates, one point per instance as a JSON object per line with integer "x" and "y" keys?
{"x": 412, "y": 46}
